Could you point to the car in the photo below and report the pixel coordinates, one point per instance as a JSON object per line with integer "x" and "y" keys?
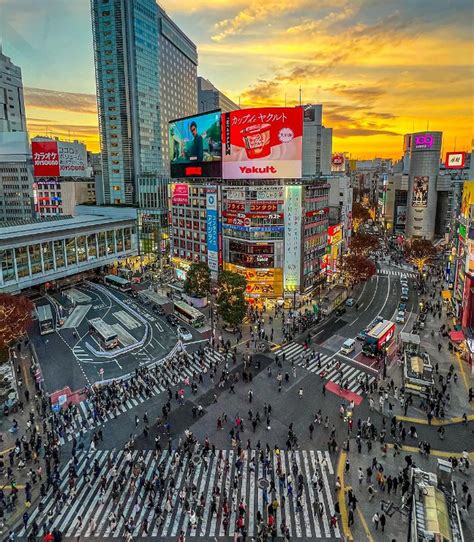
{"x": 400, "y": 319}
{"x": 348, "y": 346}
{"x": 361, "y": 335}
{"x": 340, "y": 311}
{"x": 402, "y": 306}
{"x": 350, "y": 301}
{"x": 184, "y": 334}
{"x": 404, "y": 297}
{"x": 171, "y": 319}
{"x": 405, "y": 291}
{"x": 404, "y": 283}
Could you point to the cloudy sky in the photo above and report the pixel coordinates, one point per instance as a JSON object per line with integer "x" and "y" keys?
{"x": 381, "y": 68}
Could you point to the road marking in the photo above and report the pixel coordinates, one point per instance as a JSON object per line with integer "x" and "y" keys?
{"x": 371, "y": 301}
{"x": 364, "y": 525}
{"x": 435, "y": 421}
{"x": 463, "y": 374}
{"x": 342, "y": 497}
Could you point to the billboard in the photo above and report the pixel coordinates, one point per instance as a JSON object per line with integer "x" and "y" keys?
{"x": 180, "y": 194}
{"x": 262, "y": 143}
{"x": 293, "y": 222}
{"x": 420, "y": 191}
{"x": 59, "y": 159}
{"x": 212, "y": 230}
{"x": 401, "y": 217}
{"x": 423, "y": 141}
{"x": 467, "y": 199}
{"x": 455, "y": 160}
{"x": 195, "y": 145}
{"x": 338, "y": 162}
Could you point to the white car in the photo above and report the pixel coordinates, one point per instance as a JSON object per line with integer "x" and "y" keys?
{"x": 184, "y": 334}
{"x": 400, "y": 319}
{"x": 404, "y": 283}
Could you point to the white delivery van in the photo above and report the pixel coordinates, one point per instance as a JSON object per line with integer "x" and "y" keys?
{"x": 348, "y": 346}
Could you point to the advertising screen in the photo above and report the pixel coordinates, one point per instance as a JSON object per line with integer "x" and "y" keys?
{"x": 401, "y": 218}
{"x": 455, "y": 160}
{"x": 195, "y": 146}
{"x": 293, "y": 223}
{"x": 180, "y": 194}
{"x": 262, "y": 143}
{"x": 59, "y": 159}
{"x": 212, "y": 230}
{"x": 420, "y": 191}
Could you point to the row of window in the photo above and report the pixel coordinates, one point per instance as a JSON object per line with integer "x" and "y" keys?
{"x": 38, "y": 258}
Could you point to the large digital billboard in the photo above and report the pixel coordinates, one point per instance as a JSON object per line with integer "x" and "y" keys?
{"x": 195, "y": 146}
{"x": 420, "y": 191}
{"x": 262, "y": 143}
{"x": 293, "y": 222}
{"x": 59, "y": 159}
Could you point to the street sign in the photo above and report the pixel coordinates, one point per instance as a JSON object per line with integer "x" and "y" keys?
{"x": 62, "y": 399}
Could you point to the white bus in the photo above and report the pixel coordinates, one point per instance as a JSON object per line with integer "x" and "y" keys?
{"x": 118, "y": 282}
{"x": 189, "y": 314}
{"x": 104, "y": 333}
{"x": 45, "y": 319}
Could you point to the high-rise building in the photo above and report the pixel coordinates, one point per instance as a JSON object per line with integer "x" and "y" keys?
{"x": 210, "y": 98}
{"x": 146, "y": 70}
{"x": 12, "y": 104}
{"x": 16, "y": 178}
{"x": 317, "y": 143}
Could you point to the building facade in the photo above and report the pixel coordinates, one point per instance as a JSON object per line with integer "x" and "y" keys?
{"x": 59, "y": 196}
{"x": 16, "y": 191}
{"x": 317, "y": 143}
{"x": 12, "y": 103}
{"x": 45, "y": 251}
{"x": 210, "y": 98}
{"x": 422, "y": 191}
{"x": 146, "y": 71}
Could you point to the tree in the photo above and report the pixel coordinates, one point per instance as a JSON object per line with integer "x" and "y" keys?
{"x": 360, "y": 214}
{"x": 419, "y": 252}
{"x": 232, "y": 306}
{"x": 15, "y": 317}
{"x": 198, "y": 279}
{"x": 357, "y": 268}
{"x": 364, "y": 243}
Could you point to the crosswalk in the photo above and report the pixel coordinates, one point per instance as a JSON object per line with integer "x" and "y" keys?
{"x": 83, "y": 421}
{"x": 397, "y": 273}
{"x": 182, "y": 499}
{"x": 81, "y": 354}
{"x": 330, "y": 366}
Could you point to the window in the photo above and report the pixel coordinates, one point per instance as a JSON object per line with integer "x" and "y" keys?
{"x": 35, "y": 259}
{"x": 8, "y": 270}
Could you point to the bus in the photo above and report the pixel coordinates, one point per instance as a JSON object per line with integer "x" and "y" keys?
{"x": 118, "y": 282}
{"x": 104, "y": 333}
{"x": 378, "y": 338}
{"x": 189, "y": 314}
{"x": 45, "y": 319}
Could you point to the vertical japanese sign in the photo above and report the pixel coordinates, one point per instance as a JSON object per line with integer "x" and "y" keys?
{"x": 45, "y": 158}
{"x": 212, "y": 230}
{"x": 59, "y": 159}
{"x": 293, "y": 222}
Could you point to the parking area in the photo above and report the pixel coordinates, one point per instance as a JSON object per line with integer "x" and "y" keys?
{"x": 104, "y": 334}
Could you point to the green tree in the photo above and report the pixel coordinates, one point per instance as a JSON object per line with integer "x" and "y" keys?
{"x": 198, "y": 279}
{"x": 232, "y": 306}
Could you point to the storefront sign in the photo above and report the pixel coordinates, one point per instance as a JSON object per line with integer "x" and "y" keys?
{"x": 293, "y": 221}
{"x": 212, "y": 230}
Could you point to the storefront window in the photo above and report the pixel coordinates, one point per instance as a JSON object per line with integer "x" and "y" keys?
{"x": 59, "y": 253}
{"x": 35, "y": 259}
{"x": 91, "y": 247}
{"x": 22, "y": 267}
{"x": 81, "y": 248}
{"x": 8, "y": 270}
{"x": 48, "y": 256}
{"x": 71, "y": 250}
{"x": 110, "y": 242}
{"x": 128, "y": 239}
{"x": 102, "y": 243}
{"x": 119, "y": 237}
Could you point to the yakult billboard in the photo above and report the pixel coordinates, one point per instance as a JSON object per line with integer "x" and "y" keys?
{"x": 59, "y": 159}
{"x": 262, "y": 143}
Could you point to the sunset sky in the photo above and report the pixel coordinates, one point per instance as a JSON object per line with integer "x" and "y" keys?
{"x": 380, "y": 68}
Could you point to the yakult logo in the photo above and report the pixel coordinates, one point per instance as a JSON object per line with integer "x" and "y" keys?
{"x": 424, "y": 142}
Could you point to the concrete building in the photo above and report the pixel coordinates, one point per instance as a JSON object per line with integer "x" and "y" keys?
{"x": 59, "y": 196}
{"x": 48, "y": 250}
{"x": 12, "y": 104}
{"x": 422, "y": 191}
{"x": 317, "y": 143}
{"x": 340, "y": 203}
{"x": 210, "y": 98}
{"x": 146, "y": 70}
{"x": 16, "y": 191}
{"x": 95, "y": 162}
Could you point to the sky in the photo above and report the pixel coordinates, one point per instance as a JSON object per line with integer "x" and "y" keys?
{"x": 381, "y": 68}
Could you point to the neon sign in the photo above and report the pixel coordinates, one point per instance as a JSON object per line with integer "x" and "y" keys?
{"x": 424, "y": 142}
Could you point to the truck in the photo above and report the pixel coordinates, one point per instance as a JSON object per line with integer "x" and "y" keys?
{"x": 333, "y": 299}
{"x": 378, "y": 338}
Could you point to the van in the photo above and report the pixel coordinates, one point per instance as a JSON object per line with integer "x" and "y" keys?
{"x": 348, "y": 346}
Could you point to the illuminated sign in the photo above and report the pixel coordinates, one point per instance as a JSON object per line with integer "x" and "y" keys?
{"x": 180, "y": 194}
{"x": 212, "y": 230}
{"x": 455, "y": 160}
{"x": 424, "y": 141}
{"x": 293, "y": 224}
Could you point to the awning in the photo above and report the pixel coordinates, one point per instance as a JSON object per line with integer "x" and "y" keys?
{"x": 456, "y": 336}
{"x": 446, "y": 294}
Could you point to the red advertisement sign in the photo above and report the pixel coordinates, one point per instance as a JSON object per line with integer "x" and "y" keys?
{"x": 455, "y": 160}
{"x": 45, "y": 158}
{"x": 180, "y": 194}
{"x": 235, "y": 206}
{"x": 263, "y": 207}
{"x": 262, "y": 143}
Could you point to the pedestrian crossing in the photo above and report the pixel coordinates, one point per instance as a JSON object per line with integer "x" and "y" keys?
{"x": 397, "y": 273}
{"x": 154, "y": 494}
{"x": 329, "y": 366}
{"x": 84, "y": 419}
{"x": 81, "y": 354}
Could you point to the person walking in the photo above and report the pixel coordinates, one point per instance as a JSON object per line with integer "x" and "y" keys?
{"x": 383, "y": 520}
{"x": 375, "y": 520}
{"x": 300, "y": 393}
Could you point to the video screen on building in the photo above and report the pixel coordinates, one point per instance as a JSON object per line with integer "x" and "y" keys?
{"x": 195, "y": 146}
{"x": 420, "y": 191}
